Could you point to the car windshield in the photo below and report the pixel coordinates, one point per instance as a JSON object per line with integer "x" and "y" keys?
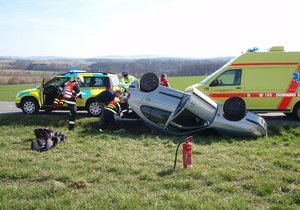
{"x": 207, "y": 79}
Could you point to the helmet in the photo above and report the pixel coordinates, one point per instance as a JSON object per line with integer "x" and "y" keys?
{"x": 78, "y": 78}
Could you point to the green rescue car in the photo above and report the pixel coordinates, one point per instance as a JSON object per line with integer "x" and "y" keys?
{"x": 43, "y": 95}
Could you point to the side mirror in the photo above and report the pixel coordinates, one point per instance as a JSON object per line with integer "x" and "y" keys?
{"x": 37, "y": 86}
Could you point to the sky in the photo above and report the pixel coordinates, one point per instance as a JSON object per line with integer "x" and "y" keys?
{"x": 167, "y": 28}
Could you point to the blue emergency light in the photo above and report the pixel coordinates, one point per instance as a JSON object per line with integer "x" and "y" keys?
{"x": 76, "y": 71}
{"x": 252, "y": 49}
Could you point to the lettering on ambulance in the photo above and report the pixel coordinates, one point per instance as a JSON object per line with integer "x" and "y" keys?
{"x": 253, "y": 95}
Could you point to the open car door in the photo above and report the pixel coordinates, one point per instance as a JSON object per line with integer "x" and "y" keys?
{"x": 41, "y": 92}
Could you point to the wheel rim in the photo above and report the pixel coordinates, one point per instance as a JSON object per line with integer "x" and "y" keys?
{"x": 29, "y": 107}
{"x": 94, "y": 108}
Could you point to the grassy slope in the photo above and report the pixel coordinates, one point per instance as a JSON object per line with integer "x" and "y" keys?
{"x": 124, "y": 170}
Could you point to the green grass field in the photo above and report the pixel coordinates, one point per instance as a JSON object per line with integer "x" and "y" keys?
{"x": 181, "y": 83}
{"x": 133, "y": 170}
{"x": 9, "y": 92}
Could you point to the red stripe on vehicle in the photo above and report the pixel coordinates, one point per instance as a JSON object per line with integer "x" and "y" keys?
{"x": 292, "y": 88}
{"x": 227, "y": 95}
{"x": 266, "y": 64}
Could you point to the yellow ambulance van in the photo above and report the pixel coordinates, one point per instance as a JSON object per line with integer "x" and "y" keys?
{"x": 257, "y": 81}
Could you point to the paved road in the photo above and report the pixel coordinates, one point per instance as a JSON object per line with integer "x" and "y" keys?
{"x": 8, "y": 107}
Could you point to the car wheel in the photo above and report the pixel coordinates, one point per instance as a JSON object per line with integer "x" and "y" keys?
{"x": 30, "y": 106}
{"x": 234, "y": 109}
{"x": 149, "y": 82}
{"x": 297, "y": 111}
{"x": 93, "y": 108}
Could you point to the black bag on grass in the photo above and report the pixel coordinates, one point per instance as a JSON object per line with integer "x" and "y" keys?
{"x": 46, "y": 139}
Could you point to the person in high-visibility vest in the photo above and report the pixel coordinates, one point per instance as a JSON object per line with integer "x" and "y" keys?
{"x": 126, "y": 81}
{"x": 104, "y": 98}
{"x": 112, "y": 109}
{"x": 70, "y": 93}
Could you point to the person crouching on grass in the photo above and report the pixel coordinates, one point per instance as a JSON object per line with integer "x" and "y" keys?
{"x": 104, "y": 98}
{"x": 109, "y": 113}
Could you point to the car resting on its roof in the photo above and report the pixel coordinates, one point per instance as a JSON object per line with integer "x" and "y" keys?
{"x": 174, "y": 112}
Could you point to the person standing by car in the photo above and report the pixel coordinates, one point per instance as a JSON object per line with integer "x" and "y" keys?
{"x": 164, "y": 80}
{"x": 104, "y": 98}
{"x": 70, "y": 93}
{"x": 126, "y": 81}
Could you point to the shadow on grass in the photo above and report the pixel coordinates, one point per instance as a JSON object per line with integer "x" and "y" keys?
{"x": 89, "y": 126}
{"x": 205, "y": 137}
{"x": 33, "y": 120}
{"x": 166, "y": 172}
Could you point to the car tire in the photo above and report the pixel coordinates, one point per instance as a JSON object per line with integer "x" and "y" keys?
{"x": 93, "y": 108}
{"x": 149, "y": 82}
{"x": 297, "y": 111}
{"x": 29, "y": 106}
{"x": 234, "y": 109}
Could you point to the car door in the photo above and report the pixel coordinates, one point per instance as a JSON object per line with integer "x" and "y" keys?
{"x": 229, "y": 84}
{"x": 41, "y": 92}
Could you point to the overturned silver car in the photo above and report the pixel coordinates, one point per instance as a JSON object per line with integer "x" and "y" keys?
{"x": 174, "y": 112}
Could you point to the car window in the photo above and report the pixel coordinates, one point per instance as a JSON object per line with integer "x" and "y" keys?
{"x": 158, "y": 116}
{"x": 114, "y": 80}
{"x": 95, "y": 82}
{"x": 228, "y": 78}
{"x": 86, "y": 83}
{"x": 188, "y": 120}
{"x": 57, "y": 81}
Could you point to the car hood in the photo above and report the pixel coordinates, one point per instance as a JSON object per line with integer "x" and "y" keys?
{"x": 27, "y": 91}
{"x": 191, "y": 88}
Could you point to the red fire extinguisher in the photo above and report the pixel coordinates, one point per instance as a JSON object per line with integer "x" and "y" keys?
{"x": 186, "y": 152}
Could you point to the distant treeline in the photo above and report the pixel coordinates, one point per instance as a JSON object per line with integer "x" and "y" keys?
{"x": 137, "y": 67}
{"x": 172, "y": 67}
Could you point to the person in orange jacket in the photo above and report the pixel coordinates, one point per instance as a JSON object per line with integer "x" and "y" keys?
{"x": 164, "y": 80}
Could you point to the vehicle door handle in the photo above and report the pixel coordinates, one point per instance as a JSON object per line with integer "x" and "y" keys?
{"x": 147, "y": 99}
{"x": 238, "y": 88}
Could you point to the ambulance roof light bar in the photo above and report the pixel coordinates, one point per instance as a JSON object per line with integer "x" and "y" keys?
{"x": 75, "y": 71}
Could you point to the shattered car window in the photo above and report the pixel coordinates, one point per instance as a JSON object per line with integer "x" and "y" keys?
{"x": 187, "y": 119}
